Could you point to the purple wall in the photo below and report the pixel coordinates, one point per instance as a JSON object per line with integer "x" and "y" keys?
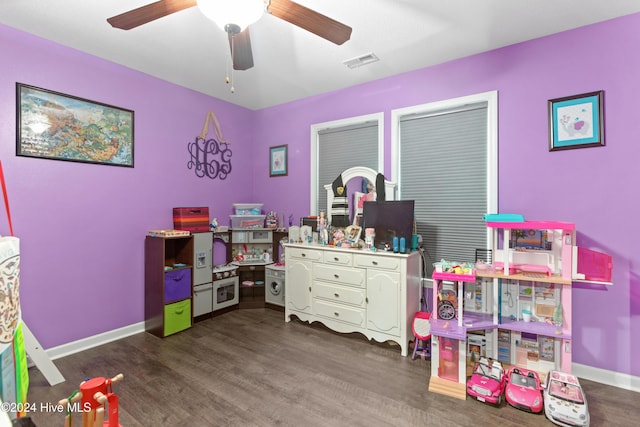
{"x": 82, "y": 226}
{"x": 590, "y": 187}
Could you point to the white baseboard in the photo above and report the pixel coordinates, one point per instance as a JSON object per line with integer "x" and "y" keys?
{"x": 616, "y": 379}
{"x": 94, "y": 341}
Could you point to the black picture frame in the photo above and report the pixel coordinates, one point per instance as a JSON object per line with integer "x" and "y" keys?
{"x": 576, "y": 121}
{"x": 56, "y": 126}
{"x": 278, "y": 162}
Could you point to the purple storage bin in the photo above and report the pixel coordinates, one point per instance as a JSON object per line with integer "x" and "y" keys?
{"x": 177, "y": 285}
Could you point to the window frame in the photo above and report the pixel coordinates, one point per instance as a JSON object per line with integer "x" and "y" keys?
{"x": 491, "y": 99}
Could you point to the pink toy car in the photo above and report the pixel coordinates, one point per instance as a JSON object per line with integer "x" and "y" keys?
{"x": 523, "y": 390}
{"x": 487, "y": 381}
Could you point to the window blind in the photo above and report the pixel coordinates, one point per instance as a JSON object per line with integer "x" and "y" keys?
{"x": 343, "y": 148}
{"x": 443, "y": 167}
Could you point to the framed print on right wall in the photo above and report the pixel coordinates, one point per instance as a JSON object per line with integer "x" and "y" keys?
{"x": 576, "y": 121}
{"x": 278, "y": 163}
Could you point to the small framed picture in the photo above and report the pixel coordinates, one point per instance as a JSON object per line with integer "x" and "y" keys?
{"x": 352, "y": 234}
{"x": 576, "y": 121}
{"x": 278, "y": 160}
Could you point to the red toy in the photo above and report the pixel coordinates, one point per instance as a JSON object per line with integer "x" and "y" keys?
{"x": 93, "y": 395}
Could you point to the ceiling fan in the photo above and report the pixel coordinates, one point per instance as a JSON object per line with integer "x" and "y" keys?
{"x": 239, "y": 38}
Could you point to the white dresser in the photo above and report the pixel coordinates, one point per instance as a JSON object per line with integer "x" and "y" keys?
{"x": 350, "y": 290}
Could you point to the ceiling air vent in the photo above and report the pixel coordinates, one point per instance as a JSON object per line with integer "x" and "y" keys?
{"x": 361, "y": 60}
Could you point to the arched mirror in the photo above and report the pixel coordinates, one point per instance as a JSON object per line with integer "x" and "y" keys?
{"x": 360, "y": 185}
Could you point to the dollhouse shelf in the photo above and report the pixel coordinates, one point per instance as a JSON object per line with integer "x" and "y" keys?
{"x": 478, "y": 321}
{"x": 538, "y": 328}
{"x": 538, "y": 225}
{"x": 452, "y": 277}
{"x": 532, "y": 277}
{"x": 472, "y": 321}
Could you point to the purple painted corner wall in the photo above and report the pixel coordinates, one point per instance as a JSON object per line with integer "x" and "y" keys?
{"x": 82, "y": 226}
{"x": 591, "y": 187}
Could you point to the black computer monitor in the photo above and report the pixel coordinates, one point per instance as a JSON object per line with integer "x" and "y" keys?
{"x": 389, "y": 219}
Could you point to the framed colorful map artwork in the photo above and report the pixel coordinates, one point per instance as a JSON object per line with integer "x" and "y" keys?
{"x": 52, "y": 125}
{"x": 576, "y": 121}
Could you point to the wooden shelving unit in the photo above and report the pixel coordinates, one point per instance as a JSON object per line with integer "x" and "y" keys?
{"x": 168, "y": 300}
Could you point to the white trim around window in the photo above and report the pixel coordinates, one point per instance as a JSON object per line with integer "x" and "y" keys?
{"x": 490, "y": 99}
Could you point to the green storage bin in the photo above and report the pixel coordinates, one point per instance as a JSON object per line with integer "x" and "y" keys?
{"x": 177, "y": 317}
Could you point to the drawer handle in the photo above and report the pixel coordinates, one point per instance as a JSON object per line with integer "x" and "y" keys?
{"x": 336, "y": 259}
{"x": 337, "y": 276}
{"x": 180, "y": 311}
{"x": 374, "y": 262}
{"x": 337, "y": 295}
{"x": 303, "y": 255}
{"x": 309, "y": 288}
{"x": 335, "y": 313}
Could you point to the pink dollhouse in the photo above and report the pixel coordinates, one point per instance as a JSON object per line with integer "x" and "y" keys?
{"x": 525, "y": 315}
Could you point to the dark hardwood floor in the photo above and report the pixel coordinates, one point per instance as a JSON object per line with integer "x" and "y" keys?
{"x": 250, "y": 368}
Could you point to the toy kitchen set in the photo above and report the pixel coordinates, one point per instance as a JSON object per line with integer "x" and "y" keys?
{"x": 181, "y": 282}
{"x": 253, "y": 248}
{"x": 251, "y": 276}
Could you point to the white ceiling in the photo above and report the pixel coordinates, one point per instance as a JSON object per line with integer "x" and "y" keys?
{"x": 290, "y": 63}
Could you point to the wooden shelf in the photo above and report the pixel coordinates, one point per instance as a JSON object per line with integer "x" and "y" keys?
{"x": 167, "y": 304}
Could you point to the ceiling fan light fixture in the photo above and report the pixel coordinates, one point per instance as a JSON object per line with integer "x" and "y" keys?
{"x": 239, "y": 12}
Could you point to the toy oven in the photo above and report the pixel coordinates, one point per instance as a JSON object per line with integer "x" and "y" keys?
{"x": 225, "y": 293}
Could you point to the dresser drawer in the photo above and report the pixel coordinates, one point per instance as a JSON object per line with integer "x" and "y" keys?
{"x": 300, "y": 253}
{"x": 339, "y": 294}
{"x": 372, "y": 261}
{"x": 337, "y": 257}
{"x": 342, "y": 313}
{"x": 177, "y": 285}
{"x": 177, "y": 317}
{"x": 343, "y": 275}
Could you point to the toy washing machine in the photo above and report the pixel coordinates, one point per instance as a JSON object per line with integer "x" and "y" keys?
{"x": 274, "y": 284}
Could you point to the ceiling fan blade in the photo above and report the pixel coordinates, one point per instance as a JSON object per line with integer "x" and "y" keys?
{"x": 310, "y": 20}
{"x": 148, "y": 13}
{"x": 240, "y": 44}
